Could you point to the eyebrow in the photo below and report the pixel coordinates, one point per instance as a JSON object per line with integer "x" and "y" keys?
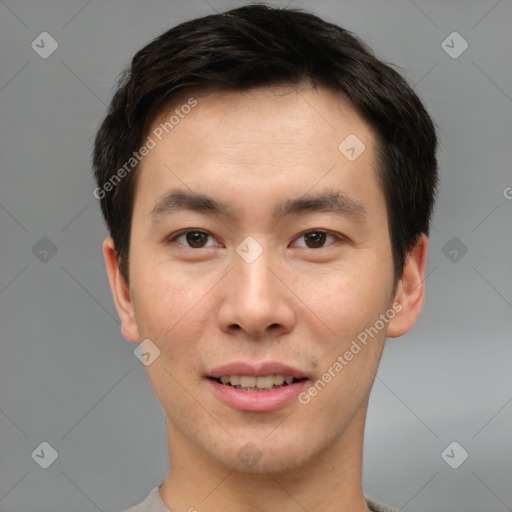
{"x": 333, "y": 201}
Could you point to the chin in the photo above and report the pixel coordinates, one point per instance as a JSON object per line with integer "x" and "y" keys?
{"x": 264, "y": 456}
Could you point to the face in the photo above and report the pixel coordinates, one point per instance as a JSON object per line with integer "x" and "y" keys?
{"x": 280, "y": 268}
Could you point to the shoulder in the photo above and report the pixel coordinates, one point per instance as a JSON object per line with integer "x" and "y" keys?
{"x": 377, "y": 507}
{"x": 152, "y": 503}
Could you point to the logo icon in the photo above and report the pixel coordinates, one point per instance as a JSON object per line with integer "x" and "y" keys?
{"x": 44, "y": 250}
{"x": 249, "y": 455}
{"x": 454, "y": 249}
{"x": 250, "y": 250}
{"x": 454, "y": 45}
{"x": 454, "y": 455}
{"x": 146, "y": 352}
{"x": 351, "y": 147}
{"x": 44, "y": 45}
{"x": 45, "y": 455}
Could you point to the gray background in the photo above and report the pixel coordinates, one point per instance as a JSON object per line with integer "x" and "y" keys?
{"x": 67, "y": 377}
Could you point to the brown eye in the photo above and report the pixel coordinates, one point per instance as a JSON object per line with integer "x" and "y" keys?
{"x": 194, "y": 239}
{"x": 315, "y": 239}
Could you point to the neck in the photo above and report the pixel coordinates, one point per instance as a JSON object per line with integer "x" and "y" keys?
{"x": 330, "y": 480}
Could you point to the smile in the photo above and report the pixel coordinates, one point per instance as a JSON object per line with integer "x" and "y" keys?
{"x": 251, "y": 383}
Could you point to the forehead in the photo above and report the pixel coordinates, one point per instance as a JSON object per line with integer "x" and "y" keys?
{"x": 272, "y": 115}
{"x": 276, "y": 139}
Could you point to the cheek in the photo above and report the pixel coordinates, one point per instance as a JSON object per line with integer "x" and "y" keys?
{"x": 167, "y": 299}
{"x": 351, "y": 306}
{"x": 349, "y": 299}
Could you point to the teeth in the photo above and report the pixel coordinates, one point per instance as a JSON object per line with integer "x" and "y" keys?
{"x": 247, "y": 382}
{"x": 278, "y": 380}
{"x": 264, "y": 382}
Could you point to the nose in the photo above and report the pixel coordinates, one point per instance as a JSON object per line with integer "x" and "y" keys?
{"x": 256, "y": 299}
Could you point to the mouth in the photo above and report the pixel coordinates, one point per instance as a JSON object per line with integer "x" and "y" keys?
{"x": 257, "y": 384}
{"x": 260, "y": 387}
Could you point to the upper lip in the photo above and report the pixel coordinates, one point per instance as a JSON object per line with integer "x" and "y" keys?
{"x": 255, "y": 369}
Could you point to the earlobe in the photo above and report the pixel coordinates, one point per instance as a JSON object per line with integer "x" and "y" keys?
{"x": 410, "y": 292}
{"x": 120, "y": 292}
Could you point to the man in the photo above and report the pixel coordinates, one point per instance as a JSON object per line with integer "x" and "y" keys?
{"x": 268, "y": 186}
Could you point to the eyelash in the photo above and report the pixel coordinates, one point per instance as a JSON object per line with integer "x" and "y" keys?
{"x": 173, "y": 238}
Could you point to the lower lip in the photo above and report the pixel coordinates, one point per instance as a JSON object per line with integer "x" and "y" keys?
{"x": 258, "y": 401}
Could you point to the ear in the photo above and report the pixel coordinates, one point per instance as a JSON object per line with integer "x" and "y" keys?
{"x": 410, "y": 293}
{"x": 120, "y": 292}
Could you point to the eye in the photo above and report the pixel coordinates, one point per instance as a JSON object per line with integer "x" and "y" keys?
{"x": 198, "y": 239}
{"x": 194, "y": 238}
{"x": 316, "y": 239}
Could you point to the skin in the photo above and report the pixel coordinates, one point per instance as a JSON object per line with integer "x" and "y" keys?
{"x": 303, "y": 305}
